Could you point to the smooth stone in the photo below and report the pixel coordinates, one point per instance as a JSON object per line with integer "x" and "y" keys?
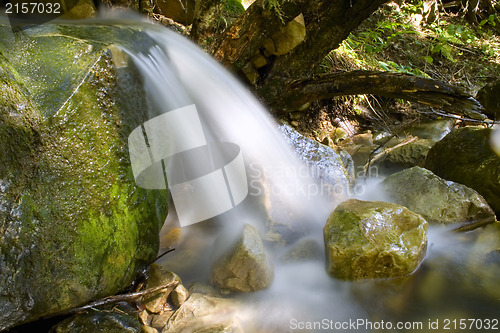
{"x": 373, "y": 239}
{"x": 244, "y": 267}
{"x": 467, "y": 157}
{"x": 437, "y": 200}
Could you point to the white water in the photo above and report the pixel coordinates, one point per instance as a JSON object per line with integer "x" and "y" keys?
{"x": 176, "y": 74}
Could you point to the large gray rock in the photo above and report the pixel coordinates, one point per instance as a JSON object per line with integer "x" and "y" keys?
{"x": 466, "y": 156}
{"x": 437, "y": 200}
{"x": 245, "y": 267}
{"x": 73, "y": 225}
{"x": 373, "y": 239}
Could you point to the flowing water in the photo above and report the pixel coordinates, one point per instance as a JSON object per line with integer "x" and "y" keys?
{"x": 302, "y": 293}
{"x": 227, "y": 150}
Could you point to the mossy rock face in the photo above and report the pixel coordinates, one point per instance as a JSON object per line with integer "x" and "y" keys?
{"x": 437, "y": 200}
{"x": 373, "y": 239}
{"x": 73, "y": 224}
{"x": 465, "y": 156}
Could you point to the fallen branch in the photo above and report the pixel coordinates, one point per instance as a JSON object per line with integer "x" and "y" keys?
{"x": 434, "y": 93}
{"x": 114, "y": 299}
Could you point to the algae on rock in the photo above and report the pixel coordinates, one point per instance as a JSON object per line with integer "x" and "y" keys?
{"x": 437, "y": 200}
{"x": 465, "y": 156}
{"x": 73, "y": 224}
{"x": 373, "y": 239}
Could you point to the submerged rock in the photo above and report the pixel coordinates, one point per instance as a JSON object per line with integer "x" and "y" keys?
{"x": 203, "y": 313}
{"x": 373, "y": 239}
{"x": 466, "y": 156}
{"x": 73, "y": 225}
{"x": 304, "y": 250}
{"x": 244, "y": 267}
{"x": 100, "y": 321}
{"x": 437, "y": 200}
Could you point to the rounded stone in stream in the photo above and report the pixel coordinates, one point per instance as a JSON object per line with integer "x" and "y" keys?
{"x": 437, "y": 200}
{"x": 373, "y": 239}
{"x": 74, "y": 227}
{"x": 245, "y": 266}
{"x": 466, "y": 156}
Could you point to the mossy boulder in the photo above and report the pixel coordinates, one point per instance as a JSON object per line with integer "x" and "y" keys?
{"x": 466, "y": 157}
{"x": 373, "y": 239}
{"x": 245, "y": 266}
{"x": 73, "y": 225}
{"x": 437, "y": 200}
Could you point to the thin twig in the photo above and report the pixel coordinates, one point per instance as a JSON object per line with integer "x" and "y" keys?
{"x": 115, "y": 299}
{"x": 164, "y": 253}
{"x": 487, "y": 122}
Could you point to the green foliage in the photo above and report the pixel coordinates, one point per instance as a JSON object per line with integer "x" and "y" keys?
{"x": 492, "y": 20}
{"x": 398, "y": 39}
{"x": 234, "y": 7}
{"x": 276, "y": 7}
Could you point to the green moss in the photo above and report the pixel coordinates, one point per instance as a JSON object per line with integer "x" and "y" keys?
{"x": 366, "y": 239}
{"x": 234, "y": 7}
{"x": 75, "y": 226}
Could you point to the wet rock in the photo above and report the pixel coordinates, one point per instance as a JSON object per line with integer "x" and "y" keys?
{"x": 202, "y": 313}
{"x": 373, "y": 239}
{"x": 466, "y": 156}
{"x": 159, "y": 321}
{"x": 334, "y": 169}
{"x": 71, "y": 215}
{"x": 149, "y": 329}
{"x": 304, "y": 250}
{"x": 287, "y": 38}
{"x": 437, "y": 200}
{"x": 407, "y": 155}
{"x": 179, "y": 295}
{"x": 159, "y": 276}
{"x": 245, "y": 266}
{"x": 102, "y": 321}
{"x": 483, "y": 262}
{"x": 82, "y": 9}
